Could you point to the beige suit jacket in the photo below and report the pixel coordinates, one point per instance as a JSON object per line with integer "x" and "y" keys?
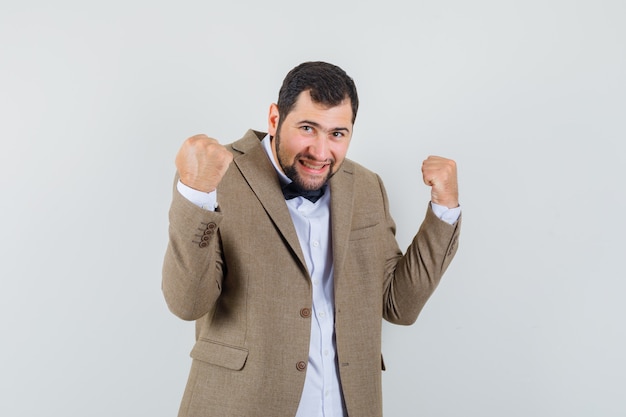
{"x": 240, "y": 273}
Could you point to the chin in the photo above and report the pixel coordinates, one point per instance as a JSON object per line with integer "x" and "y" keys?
{"x": 314, "y": 183}
{"x": 309, "y": 183}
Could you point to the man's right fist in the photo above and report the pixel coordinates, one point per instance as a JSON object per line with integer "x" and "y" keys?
{"x": 202, "y": 162}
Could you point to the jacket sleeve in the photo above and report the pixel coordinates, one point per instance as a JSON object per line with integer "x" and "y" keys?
{"x": 193, "y": 266}
{"x": 410, "y": 279}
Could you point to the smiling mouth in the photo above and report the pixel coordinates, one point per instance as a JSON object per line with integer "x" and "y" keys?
{"x": 314, "y": 166}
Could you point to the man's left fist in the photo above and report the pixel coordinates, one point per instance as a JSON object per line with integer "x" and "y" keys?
{"x": 440, "y": 174}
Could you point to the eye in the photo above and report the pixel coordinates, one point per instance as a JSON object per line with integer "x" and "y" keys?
{"x": 306, "y": 128}
{"x": 338, "y": 135}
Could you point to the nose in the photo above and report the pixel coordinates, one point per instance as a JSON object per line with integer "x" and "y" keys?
{"x": 319, "y": 148}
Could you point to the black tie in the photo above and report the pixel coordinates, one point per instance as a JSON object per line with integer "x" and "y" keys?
{"x": 292, "y": 191}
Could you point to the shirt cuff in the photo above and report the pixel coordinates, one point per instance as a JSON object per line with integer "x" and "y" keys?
{"x": 449, "y": 216}
{"x": 207, "y": 201}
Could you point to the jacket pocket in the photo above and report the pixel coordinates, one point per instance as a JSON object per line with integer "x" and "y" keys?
{"x": 363, "y": 232}
{"x": 215, "y": 353}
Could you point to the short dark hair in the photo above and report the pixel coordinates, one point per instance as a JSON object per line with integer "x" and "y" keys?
{"x": 327, "y": 83}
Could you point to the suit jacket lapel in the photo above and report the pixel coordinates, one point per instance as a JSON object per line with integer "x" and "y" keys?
{"x": 341, "y": 207}
{"x": 260, "y": 174}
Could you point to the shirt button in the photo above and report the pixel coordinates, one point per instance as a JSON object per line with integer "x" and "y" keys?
{"x": 316, "y": 244}
{"x": 301, "y": 366}
{"x": 305, "y": 313}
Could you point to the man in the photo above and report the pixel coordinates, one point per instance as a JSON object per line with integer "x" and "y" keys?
{"x": 288, "y": 290}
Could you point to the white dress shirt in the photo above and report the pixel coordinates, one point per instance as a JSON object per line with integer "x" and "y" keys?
{"x": 321, "y": 395}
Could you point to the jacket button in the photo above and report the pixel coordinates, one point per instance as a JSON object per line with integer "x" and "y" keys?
{"x": 204, "y": 244}
{"x": 305, "y": 313}
{"x": 211, "y": 226}
{"x": 301, "y": 366}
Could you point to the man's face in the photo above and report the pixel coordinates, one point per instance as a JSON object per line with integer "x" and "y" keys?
{"x": 313, "y": 140}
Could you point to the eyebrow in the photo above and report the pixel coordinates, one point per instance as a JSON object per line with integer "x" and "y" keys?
{"x": 317, "y": 125}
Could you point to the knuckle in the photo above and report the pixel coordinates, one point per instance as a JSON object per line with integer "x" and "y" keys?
{"x": 195, "y": 138}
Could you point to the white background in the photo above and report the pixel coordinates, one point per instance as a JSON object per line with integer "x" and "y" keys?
{"x": 529, "y": 97}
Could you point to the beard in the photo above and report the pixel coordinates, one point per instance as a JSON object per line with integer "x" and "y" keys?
{"x": 292, "y": 173}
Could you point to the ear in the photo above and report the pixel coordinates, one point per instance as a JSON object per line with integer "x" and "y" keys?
{"x": 272, "y": 120}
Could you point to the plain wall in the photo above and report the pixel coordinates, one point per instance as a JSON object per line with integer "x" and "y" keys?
{"x": 529, "y": 97}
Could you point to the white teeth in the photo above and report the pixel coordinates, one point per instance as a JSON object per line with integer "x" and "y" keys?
{"x": 313, "y": 166}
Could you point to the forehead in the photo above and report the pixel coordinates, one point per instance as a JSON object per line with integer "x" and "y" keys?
{"x": 305, "y": 108}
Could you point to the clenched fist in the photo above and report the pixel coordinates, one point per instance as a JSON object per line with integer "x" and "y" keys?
{"x": 440, "y": 174}
{"x": 202, "y": 162}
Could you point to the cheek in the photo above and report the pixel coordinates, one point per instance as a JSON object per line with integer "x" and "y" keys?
{"x": 288, "y": 153}
{"x": 339, "y": 152}
{"x": 296, "y": 150}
